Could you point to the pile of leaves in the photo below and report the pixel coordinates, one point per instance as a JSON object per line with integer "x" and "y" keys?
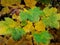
{"x": 28, "y": 18}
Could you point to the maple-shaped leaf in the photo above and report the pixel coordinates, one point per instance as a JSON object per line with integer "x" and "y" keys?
{"x": 39, "y": 26}
{"x": 28, "y": 27}
{"x": 50, "y": 18}
{"x": 48, "y": 11}
{"x": 30, "y": 3}
{"x": 51, "y": 21}
{"x": 42, "y": 37}
{"x": 35, "y": 14}
{"x": 6, "y": 25}
{"x": 3, "y": 28}
{"x": 32, "y": 15}
{"x": 17, "y": 33}
{"x": 10, "y": 22}
{"x": 23, "y": 16}
{"x": 36, "y": 11}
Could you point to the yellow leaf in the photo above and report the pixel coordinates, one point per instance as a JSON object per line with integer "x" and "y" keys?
{"x": 10, "y": 2}
{"x": 30, "y": 3}
{"x": 39, "y": 26}
{"x": 14, "y": 16}
{"x": 21, "y": 6}
{"x": 14, "y": 24}
{"x": 58, "y": 16}
{"x": 50, "y": 11}
{"x": 28, "y": 27}
{"x": 5, "y": 10}
{"x": 53, "y": 10}
{"x": 3, "y": 30}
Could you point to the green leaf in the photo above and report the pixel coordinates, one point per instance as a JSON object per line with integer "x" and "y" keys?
{"x": 37, "y": 37}
{"x": 43, "y": 37}
{"x": 36, "y": 11}
{"x": 51, "y": 21}
{"x": 58, "y": 16}
{"x": 23, "y": 16}
{"x": 23, "y": 23}
{"x": 2, "y": 23}
{"x": 32, "y": 15}
{"x": 33, "y": 18}
{"x": 9, "y": 20}
{"x": 35, "y": 14}
{"x": 17, "y": 33}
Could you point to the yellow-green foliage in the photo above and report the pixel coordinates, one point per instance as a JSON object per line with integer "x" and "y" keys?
{"x": 32, "y": 20}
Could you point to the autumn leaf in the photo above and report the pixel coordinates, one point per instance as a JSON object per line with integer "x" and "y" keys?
{"x": 30, "y": 3}
{"x": 39, "y": 26}
{"x": 58, "y": 16}
{"x": 28, "y": 27}
{"x": 9, "y": 22}
{"x": 14, "y": 16}
{"x": 9, "y": 2}
{"x": 5, "y": 10}
{"x": 3, "y": 30}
